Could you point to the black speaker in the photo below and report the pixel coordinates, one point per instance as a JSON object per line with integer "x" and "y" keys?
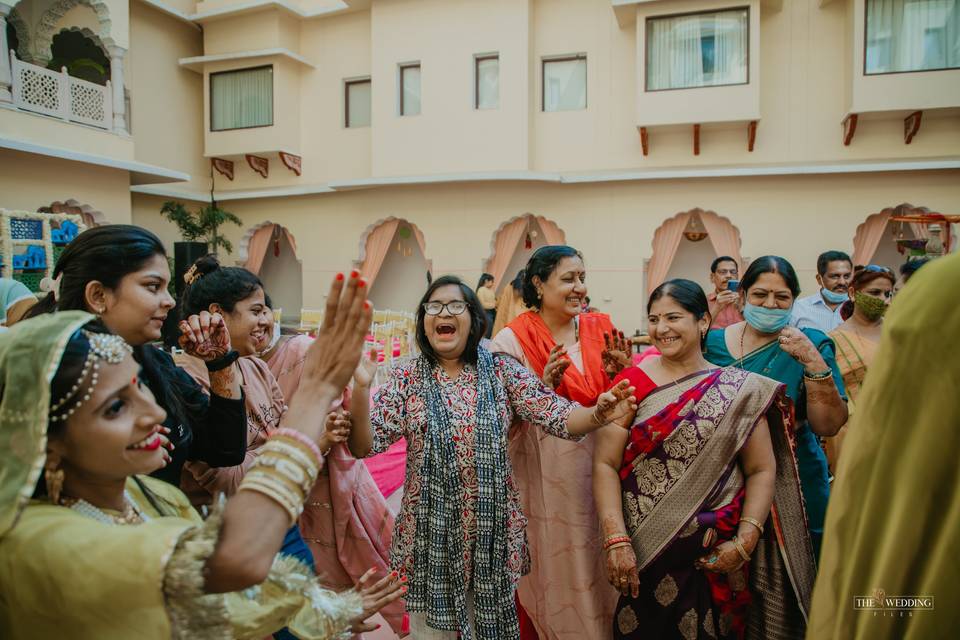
{"x": 184, "y": 255}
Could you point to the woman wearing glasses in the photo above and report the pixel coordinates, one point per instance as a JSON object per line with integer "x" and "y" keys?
{"x": 459, "y": 539}
{"x": 857, "y": 339}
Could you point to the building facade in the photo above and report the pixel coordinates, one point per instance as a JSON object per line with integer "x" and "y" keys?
{"x": 454, "y": 136}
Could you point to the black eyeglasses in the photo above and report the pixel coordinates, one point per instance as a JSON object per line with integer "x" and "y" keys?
{"x": 454, "y": 307}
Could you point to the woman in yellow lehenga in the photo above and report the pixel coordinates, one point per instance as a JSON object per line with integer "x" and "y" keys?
{"x": 93, "y": 549}
{"x": 894, "y": 517}
{"x": 857, "y": 339}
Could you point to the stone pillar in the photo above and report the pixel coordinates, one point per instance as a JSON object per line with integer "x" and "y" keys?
{"x": 6, "y": 78}
{"x": 116, "y": 79}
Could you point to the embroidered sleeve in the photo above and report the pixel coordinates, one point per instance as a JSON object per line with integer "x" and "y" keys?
{"x": 194, "y": 613}
{"x": 532, "y": 401}
{"x": 388, "y": 411}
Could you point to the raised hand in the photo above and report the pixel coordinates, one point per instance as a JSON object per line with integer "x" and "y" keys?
{"x": 616, "y": 355}
{"x": 622, "y": 570}
{"x": 798, "y": 346}
{"x": 557, "y": 363}
{"x": 617, "y": 406}
{"x": 726, "y": 297}
{"x": 366, "y": 371}
{"x": 376, "y": 595}
{"x": 333, "y": 357}
{"x": 204, "y": 335}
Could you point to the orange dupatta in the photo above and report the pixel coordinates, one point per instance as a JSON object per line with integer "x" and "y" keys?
{"x": 537, "y": 341}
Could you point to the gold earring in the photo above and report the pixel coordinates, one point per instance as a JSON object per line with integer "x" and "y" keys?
{"x": 54, "y": 481}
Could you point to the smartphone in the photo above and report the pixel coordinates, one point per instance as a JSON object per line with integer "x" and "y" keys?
{"x": 733, "y": 285}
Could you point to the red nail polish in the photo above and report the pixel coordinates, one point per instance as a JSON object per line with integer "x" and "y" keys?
{"x": 354, "y": 273}
{"x": 339, "y": 277}
{"x": 366, "y": 305}
{"x": 362, "y": 283}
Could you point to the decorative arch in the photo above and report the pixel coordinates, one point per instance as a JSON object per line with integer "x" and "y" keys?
{"x": 86, "y": 31}
{"x": 870, "y": 232}
{"x": 91, "y": 217}
{"x": 504, "y": 240}
{"x": 724, "y": 237}
{"x": 20, "y": 27}
{"x": 256, "y": 242}
{"x": 375, "y": 242}
{"x": 47, "y": 26}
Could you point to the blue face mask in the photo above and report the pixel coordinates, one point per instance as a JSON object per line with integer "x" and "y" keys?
{"x": 833, "y": 298}
{"x": 766, "y": 320}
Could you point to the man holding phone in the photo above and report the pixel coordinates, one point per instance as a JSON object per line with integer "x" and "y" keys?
{"x": 724, "y": 300}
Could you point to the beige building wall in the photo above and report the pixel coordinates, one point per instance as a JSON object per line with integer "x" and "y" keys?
{"x": 611, "y": 223}
{"x": 166, "y": 98}
{"x": 28, "y": 182}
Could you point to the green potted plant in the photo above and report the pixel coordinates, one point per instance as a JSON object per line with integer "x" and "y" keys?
{"x": 200, "y": 231}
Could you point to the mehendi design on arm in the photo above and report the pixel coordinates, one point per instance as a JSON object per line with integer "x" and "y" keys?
{"x": 223, "y": 383}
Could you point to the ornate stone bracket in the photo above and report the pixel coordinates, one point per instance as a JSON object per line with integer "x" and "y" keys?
{"x": 849, "y": 128}
{"x": 911, "y": 125}
{"x": 259, "y": 164}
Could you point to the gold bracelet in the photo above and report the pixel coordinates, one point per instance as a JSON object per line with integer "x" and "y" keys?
{"x": 616, "y": 546}
{"x": 752, "y": 521}
{"x": 596, "y": 420}
{"x": 275, "y": 490}
{"x": 739, "y": 545}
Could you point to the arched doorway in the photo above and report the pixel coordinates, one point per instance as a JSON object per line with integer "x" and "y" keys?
{"x": 679, "y": 250}
{"x": 393, "y": 260}
{"x": 876, "y": 238}
{"x": 270, "y": 251}
{"x": 514, "y": 242}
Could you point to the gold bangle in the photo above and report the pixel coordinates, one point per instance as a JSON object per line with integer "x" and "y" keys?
{"x": 739, "y": 545}
{"x": 616, "y": 535}
{"x": 596, "y": 420}
{"x": 617, "y": 546}
{"x": 752, "y": 521}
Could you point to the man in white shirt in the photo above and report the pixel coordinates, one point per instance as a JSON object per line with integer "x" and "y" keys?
{"x": 822, "y": 309}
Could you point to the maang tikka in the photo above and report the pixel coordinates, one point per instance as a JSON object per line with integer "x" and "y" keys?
{"x": 104, "y": 347}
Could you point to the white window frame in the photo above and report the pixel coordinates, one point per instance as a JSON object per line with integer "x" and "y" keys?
{"x": 545, "y": 60}
{"x": 347, "y": 82}
{"x": 477, "y": 59}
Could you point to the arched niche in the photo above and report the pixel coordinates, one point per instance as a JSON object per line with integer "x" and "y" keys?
{"x": 91, "y": 217}
{"x": 18, "y": 26}
{"x": 514, "y": 242}
{"x": 393, "y": 259}
{"x": 685, "y": 245}
{"x": 270, "y": 251}
{"x": 875, "y": 241}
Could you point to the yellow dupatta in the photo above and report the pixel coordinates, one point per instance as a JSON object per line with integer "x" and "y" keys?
{"x": 894, "y": 518}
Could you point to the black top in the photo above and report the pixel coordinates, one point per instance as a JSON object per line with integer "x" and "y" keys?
{"x": 208, "y": 429}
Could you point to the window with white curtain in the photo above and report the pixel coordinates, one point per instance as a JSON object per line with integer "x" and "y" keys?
{"x": 410, "y": 89}
{"x": 565, "y": 83}
{"x": 241, "y": 99}
{"x": 487, "y": 82}
{"x": 698, "y": 50}
{"x": 912, "y": 35}
{"x": 357, "y": 103}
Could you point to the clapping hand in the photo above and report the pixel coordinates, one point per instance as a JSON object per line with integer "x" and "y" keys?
{"x": 556, "y": 365}
{"x": 617, "y": 406}
{"x": 616, "y": 353}
{"x": 204, "y": 335}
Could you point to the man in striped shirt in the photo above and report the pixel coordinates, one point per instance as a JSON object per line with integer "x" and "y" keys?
{"x": 822, "y": 309}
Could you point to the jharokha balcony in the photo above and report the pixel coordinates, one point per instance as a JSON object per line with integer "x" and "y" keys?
{"x": 57, "y": 94}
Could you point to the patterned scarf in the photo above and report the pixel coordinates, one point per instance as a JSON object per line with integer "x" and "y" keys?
{"x": 438, "y": 584}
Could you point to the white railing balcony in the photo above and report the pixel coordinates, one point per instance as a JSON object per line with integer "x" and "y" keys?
{"x": 60, "y": 95}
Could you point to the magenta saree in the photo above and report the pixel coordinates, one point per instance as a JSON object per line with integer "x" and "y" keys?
{"x": 682, "y": 487}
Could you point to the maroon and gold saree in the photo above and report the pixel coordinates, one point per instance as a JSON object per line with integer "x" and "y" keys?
{"x": 682, "y": 485}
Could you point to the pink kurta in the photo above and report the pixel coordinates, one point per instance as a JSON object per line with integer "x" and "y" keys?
{"x": 566, "y": 593}
{"x": 345, "y": 521}
{"x": 264, "y": 405}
